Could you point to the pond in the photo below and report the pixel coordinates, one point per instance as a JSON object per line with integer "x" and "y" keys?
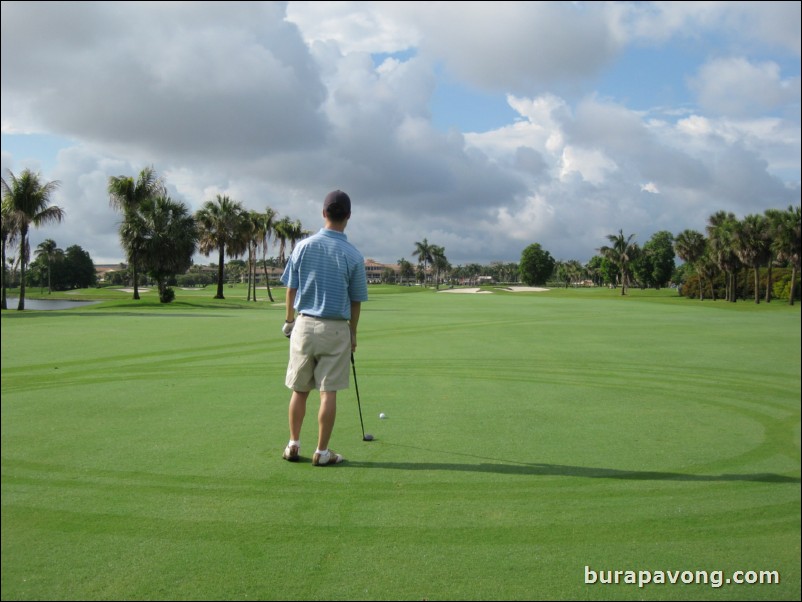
{"x": 46, "y": 304}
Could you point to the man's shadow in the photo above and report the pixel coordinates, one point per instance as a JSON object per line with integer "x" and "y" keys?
{"x": 500, "y": 466}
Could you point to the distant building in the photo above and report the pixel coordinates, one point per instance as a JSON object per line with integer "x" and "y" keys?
{"x": 374, "y": 271}
{"x": 103, "y": 270}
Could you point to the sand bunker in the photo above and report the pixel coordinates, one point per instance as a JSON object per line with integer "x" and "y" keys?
{"x": 462, "y": 290}
{"x": 514, "y": 289}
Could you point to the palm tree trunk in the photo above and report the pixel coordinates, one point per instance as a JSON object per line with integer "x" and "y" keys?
{"x": 729, "y": 293}
{"x": 220, "y": 262}
{"x": 250, "y": 280}
{"x": 134, "y": 260}
{"x": 252, "y": 270}
{"x": 267, "y": 281}
{"x": 793, "y": 284}
{"x": 3, "y": 301}
{"x": 768, "y": 283}
{"x": 23, "y": 250}
{"x": 757, "y": 286}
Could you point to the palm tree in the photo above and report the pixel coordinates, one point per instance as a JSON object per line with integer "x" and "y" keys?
{"x": 220, "y": 226}
{"x": 423, "y": 251}
{"x": 170, "y": 237}
{"x": 774, "y": 227}
{"x": 439, "y": 263}
{"x": 708, "y": 270}
{"x": 286, "y": 231}
{"x": 127, "y": 195}
{"x": 406, "y": 270}
{"x": 751, "y": 244}
{"x": 10, "y": 232}
{"x": 254, "y": 235}
{"x": 296, "y": 233}
{"x": 786, "y": 243}
{"x": 690, "y": 245}
{"x": 283, "y": 232}
{"x": 622, "y": 252}
{"x": 132, "y": 236}
{"x": 266, "y": 229}
{"x": 721, "y": 235}
{"x": 50, "y": 251}
{"x": 29, "y": 203}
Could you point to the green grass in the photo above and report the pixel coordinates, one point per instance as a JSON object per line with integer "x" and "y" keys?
{"x": 528, "y": 435}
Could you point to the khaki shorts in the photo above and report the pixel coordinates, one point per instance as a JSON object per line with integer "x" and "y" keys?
{"x": 320, "y": 351}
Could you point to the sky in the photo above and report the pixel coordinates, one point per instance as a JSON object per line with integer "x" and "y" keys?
{"x": 481, "y": 127}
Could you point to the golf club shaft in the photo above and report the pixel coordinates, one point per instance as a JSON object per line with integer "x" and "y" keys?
{"x": 358, "y": 403}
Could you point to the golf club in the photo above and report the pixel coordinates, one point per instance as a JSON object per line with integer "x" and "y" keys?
{"x": 359, "y": 403}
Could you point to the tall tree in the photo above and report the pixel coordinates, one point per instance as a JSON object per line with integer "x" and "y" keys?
{"x": 220, "y": 226}
{"x": 10, "y": 232}
{"x": 406, "y": 271}
{"x": 266, "y": 231}
{"x": 622, "y": 253}
{"x": 29, "y": 203}
{"x": 690, "y": 246}
{"x": 297, "y": 233}
{"x": 169, "y": 242}
{"x": 440, "y": 263}
{"x": 751, "y": 244}
{"x": 656, "y": 262}
{"x": 721, "y": 235}
{"x": 708, "y": 270}
{"x": 252, "y": 230}
{"x": 76, "y": 271}
{"x": 536, "y": 265}
{"x": 49, "y": 250}
{"x": 127, "y": 195}
{"x": 775, "y": 219}
{"x": 787, "y": 244}
{"x": 423, "y": 251}
{"x": 283, "y": 232}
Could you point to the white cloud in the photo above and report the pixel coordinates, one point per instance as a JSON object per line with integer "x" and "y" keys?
{"x": 591, "y": 165}
{"x": 277, "y": 108}
{"x": 768, "y": 24}
{"x": 737, "y": 87}
{"x": 381, "y": 27}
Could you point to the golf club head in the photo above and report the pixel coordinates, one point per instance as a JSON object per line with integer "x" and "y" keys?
{"x": 367, "y": 437}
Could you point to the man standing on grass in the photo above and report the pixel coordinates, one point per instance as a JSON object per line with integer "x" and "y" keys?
{"x": 326, "y": 285}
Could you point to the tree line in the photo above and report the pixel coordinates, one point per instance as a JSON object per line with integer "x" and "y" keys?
{"x": 758, "y": 243}
{"x": 160, "y": 236}
{"x": 715, "y": 263}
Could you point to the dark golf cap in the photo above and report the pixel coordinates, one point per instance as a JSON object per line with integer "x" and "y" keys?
{"x": 337, "y": 203}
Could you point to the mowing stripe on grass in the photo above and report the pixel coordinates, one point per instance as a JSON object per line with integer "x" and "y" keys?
{"x": 528, "y": 436}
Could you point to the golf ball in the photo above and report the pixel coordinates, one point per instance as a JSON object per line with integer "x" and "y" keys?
{"x": 382, "y": 415}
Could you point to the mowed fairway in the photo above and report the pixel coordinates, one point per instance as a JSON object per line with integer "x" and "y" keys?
{"x": 528, "y": 436}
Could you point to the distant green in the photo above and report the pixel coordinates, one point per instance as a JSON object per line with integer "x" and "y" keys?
{"x": 528, "y": 436}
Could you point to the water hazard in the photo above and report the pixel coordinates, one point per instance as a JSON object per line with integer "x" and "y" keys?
{"x": 46, "y": 304}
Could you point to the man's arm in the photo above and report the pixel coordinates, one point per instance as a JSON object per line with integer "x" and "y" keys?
{"x": 356, "y": 308}
{"x": 290, "y": 309}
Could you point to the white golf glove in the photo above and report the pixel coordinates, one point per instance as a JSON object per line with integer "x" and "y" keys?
{"x": 287, "y": 328}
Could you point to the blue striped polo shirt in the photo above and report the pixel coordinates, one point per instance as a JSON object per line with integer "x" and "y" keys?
{"x": 329, "y": 273}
